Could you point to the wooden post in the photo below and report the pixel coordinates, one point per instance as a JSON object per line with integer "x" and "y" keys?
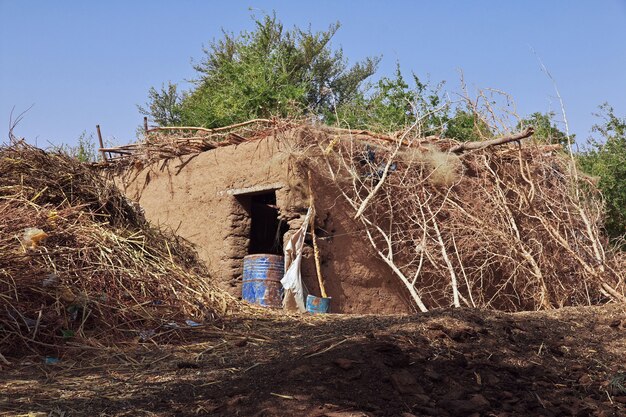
{"x": 104, "y": 155}
{"x": 316, "y": 251}
{"x": 145, "y": 124}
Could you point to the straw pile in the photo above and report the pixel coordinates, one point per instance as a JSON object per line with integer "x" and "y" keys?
{"x": 80, "y": 265}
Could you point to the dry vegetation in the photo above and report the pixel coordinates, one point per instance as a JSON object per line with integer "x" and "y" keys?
{"x": 162, "y": 143}
{"x": 79, "y": 265}
{"x": 511, "y": 227}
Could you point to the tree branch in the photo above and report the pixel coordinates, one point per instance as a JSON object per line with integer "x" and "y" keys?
{"x": 467, "y": 146}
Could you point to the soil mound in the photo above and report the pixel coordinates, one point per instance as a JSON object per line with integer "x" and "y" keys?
{"x": 79, "y": 264}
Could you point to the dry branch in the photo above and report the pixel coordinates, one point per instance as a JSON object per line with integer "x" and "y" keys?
{"x": 169, "y": 142}
{"x": 316, "y": 251}
{"x": 467, "y": 146}
{"x": 204, "y": 129}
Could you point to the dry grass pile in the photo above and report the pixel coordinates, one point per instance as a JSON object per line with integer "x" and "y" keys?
{"x": 80, "y": 265}
{"x": 510, "y": 227}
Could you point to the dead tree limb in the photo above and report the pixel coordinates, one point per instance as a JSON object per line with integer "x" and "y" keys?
{"x": 444, "y": 254}
{"x": 316, "y": 250}
{"x": 468, "y": 146}
{"x": 204, "y": 129}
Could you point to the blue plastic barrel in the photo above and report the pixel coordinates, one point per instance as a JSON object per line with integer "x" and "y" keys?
{"x": 261, "y": 279}
{"x": 317, "y": 305}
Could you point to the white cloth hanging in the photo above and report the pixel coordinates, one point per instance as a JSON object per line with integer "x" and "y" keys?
{"x": 295, "y": 291}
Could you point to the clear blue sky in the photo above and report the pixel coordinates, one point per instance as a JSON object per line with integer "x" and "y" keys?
{"x": 87, "y": 62}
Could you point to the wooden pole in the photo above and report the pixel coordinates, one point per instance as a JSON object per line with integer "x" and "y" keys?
{"x": 316, "y": 251}
{"x": 104, "y": 155}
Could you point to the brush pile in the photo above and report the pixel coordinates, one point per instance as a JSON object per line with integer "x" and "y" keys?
{"x": 80, "y": 265}
{"x": 510, "y": 227}
{"x": 162, "y": 143}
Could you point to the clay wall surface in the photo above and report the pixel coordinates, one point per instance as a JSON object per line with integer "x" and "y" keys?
{"x": 194, "y": 197}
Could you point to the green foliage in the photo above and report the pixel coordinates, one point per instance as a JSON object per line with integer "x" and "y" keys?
{"x": 392, "y": 105}
{"x": 84, "y": 151}
{"x": 546, "y": 130}
{"x": 467, "y": 126}
{"x": 606, "y": 159}
{"x": 164, "y": 106}
{"x": 268, "y": 72}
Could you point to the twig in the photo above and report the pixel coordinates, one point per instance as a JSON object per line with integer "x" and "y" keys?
{"x": 383, "y": 177}
{"x": 327, "y": 349}
{"x": 444, "y": 254}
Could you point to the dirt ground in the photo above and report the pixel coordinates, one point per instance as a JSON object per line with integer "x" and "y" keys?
{"x": 568, "y": 362}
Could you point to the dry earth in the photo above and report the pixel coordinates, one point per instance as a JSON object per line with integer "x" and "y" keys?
{"x": 463, "y": 362}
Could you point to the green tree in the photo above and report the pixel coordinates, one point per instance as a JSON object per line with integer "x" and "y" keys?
{"x": 546, "y": 130}
{"x": 466, "y": 126}
{"x": 268, "y": 72}
{"x": 391, "y": 104}
{"x": 164, "y": 106}
{"x": 606, "y": 159}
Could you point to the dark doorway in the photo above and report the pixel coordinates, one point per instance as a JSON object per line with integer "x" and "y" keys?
{"x": 266, "y": 229}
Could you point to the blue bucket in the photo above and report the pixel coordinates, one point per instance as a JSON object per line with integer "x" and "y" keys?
{"x": 261, "y": 279}
{"x": 317, "y": 305}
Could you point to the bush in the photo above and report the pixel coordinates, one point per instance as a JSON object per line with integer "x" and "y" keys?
{"x": 606, "y": 159}
{"x": 392, "y": 105}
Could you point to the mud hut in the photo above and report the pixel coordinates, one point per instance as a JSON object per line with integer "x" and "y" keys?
{"x": 248, "y": 197}
{"x": 404, "y": 222}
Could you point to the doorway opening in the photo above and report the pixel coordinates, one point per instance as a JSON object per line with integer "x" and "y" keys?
{"x": 266, "y": 229}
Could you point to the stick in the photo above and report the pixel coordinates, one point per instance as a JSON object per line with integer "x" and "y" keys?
{"x": 37, "y": 323}
{"x": 328, "y": 348}
{"x": 104, "y": 155}
{"x": 204, "y": 129}
{"x": 467, "y": 146}
{"x": 444, "y": 254}
{"x": 316, "y": 251}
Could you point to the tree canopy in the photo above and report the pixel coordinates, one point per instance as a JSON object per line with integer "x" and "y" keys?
{"x": 270, "y": 71}
{"x": 392, "y": 104}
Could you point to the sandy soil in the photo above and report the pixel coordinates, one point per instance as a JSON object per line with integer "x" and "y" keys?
{"x": 567, "y": 362}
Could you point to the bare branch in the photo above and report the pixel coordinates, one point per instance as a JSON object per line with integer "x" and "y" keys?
{"x": 467, "y": 146}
